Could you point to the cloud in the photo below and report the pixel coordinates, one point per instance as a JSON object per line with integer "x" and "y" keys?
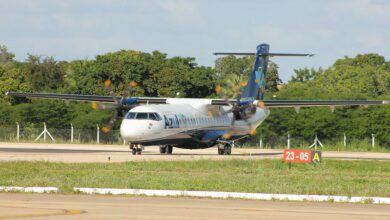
{"x": 84, "y": 28}
{"x": 368, "y": 10}
{"x": 180, "y": 9}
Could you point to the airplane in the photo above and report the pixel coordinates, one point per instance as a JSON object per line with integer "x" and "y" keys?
{"x": 197, "y": 123}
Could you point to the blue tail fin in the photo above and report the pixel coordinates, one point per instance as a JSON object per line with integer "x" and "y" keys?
{"x": 255, "y": 87}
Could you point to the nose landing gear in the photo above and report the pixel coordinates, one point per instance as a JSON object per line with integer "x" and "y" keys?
{"x": 136, "y": 149}
{"x": 224, "y": 148}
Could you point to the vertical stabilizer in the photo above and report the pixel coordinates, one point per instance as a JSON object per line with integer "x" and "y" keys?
{"x": 255, "y": 87}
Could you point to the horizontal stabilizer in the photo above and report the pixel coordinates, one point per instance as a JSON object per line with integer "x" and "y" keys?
{"x": 267, "y": 54}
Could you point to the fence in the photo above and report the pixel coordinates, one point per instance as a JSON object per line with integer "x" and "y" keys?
{"x": 19, "y": 133}
{"x": 60, "y": 135}
{"x": 337, "y": 143}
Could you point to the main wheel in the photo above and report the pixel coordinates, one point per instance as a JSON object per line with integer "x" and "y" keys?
{"x": 163, "y": 149}
{"x": 169, "y": 149}
{"x": 227, "y": 149}
{"x": 139, "y": 151}
{"x": 220, "y": 151}
{"x": 133, "y": 150}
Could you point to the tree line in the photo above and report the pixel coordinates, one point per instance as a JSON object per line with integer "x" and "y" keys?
{"x": 365, "y": 76}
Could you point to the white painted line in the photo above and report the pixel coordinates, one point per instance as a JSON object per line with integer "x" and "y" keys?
{"x": 239, "y": 195}
{"x": 28, "y": 189}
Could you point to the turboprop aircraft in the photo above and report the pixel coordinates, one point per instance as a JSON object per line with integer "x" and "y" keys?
{"x": 197, "y": 123}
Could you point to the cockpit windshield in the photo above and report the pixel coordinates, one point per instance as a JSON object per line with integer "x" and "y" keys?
{"x": 144, "y": 116}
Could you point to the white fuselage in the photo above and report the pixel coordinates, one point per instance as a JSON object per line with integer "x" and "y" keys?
{"x": 149, "y": 123}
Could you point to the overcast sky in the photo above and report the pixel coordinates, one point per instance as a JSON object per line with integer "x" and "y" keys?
{"x": 78, "y": 29}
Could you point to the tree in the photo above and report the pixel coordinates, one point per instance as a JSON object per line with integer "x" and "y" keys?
{"x": 44, "y": 74}
{"x": 12, "y": 79}
{"x": 272, "y": 78}
{"x": 231, "y": 71}
{"x": 302, "y": 75}
{"x": 6, "y": 58}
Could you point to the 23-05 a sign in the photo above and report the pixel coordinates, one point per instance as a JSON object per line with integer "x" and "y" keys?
{"x": 301, "y": 156}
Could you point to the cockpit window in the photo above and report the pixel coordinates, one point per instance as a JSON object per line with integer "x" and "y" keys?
{"x": 131, "y": 115}
{"x": 152, "y": 116}
{"x": 142, "y": 115}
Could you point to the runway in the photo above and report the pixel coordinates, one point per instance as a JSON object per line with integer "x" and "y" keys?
{"x": 52, "y": 206}
{"x": 120, "y": 153}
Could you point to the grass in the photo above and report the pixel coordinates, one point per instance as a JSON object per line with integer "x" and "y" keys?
{"x": 351, "y": 146}
{"x": 332, "y": 177}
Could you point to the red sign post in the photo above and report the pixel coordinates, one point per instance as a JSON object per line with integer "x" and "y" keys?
{"x": 297, "y": 156}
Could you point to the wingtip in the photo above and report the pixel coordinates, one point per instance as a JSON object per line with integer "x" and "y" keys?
{"x": 386, "y": 102}
{"x": 6, "y": 93}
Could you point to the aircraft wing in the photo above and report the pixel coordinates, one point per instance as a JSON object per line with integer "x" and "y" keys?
{"x": 88, "y": 98}
{"x": 153, "y": 100}
{"x": 312, "y": 103}
{"x": 304, "y": 103}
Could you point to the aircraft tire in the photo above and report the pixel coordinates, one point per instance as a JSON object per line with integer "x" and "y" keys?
{"x": 169, "y": 149}
{"x": 220, "y": 151}
{"x": 139, "y": 151}
{"x": 227, "y": 149}
{"x": 134, "y": 151}
{"x": 163, "y": 149}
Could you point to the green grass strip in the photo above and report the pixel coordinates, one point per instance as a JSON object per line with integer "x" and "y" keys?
{"x": 332, "y": 177}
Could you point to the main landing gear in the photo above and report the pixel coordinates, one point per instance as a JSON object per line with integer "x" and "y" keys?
{"x": 136, "y": 149}
{"x": 224, "y": 148}
{"x": 166, "y": 149}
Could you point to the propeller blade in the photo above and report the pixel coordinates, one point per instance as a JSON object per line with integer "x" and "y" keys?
{"x": 111, "y": 123}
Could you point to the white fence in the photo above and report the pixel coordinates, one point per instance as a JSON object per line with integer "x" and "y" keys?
{"x": 20, "y": 133}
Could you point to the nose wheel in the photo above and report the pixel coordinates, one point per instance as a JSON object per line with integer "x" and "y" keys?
{"x": 224, "y": 149}
{"x": 136, "y": 149}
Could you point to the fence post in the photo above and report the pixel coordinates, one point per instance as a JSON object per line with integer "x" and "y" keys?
{"x": 372, "y": 140}
{"x": 71, "y": 133}
{"x": 288, "y": 141}
{"x": 345, "y": 140}
{"x": 97, "y": 134}
{"x": 17, "y": 131}
{"x": 44, "y": 132}
{"x": 261, "y": 143}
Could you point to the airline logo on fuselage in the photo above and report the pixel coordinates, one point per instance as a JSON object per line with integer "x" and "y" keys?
{"x": 171, "y": 121}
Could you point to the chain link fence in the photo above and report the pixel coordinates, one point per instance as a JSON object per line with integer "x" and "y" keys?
{"x": 90, "y": 136}
{"x": 80, "y": 136}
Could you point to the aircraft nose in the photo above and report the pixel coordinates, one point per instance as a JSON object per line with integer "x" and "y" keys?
{"x": 129, "y": 131}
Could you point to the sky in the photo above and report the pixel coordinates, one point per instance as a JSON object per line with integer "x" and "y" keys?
{"x": 80, "y": 29}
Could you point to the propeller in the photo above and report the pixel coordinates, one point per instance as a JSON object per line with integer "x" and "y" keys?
{"x": 120, "y": 103}
{"x": 238, "y": 110}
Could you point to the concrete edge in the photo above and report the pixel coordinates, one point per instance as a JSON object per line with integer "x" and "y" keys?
{"x": 238, "y": 195}
{"x": 28, "y": 189}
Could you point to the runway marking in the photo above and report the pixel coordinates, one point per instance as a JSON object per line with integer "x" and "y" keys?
{"x": 48, "y": 189}
{"x": 237, "y": 195}
{"x": 61, "y": 212}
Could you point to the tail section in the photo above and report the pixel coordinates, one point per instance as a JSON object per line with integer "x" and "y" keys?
{"x": 255, "y": 87}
